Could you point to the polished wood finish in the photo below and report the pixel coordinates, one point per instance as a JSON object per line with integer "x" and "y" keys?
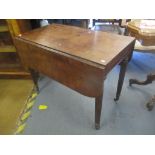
{"x": 62, "y": 67}
{"x": 10, "y": 66}
{"x": 82, "y": 43}
{"x": 76, "y": 57}
{"x": 146, "y": 35}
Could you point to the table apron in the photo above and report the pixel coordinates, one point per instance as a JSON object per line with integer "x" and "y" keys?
{"x": 124, "y": 54}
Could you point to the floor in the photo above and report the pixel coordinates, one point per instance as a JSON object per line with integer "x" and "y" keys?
{"x": 13, "y": 96}
{"x": 69, "y": 112}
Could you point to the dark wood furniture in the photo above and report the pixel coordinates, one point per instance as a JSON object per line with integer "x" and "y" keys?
{"x": 76, "y": 57}
{"x": 146, "y": 35}
{"x": 10, "y": 66}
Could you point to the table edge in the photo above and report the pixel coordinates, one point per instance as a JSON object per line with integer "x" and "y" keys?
{"x": 91, "y": 63}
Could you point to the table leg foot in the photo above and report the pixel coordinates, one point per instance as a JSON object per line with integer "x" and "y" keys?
{"x": 97, "y": 126}
{"x": 116, "y": 99}
{"x": 149, "y": 106}
{"x": 123, "y": 66}
{"x": 132, "y": 81}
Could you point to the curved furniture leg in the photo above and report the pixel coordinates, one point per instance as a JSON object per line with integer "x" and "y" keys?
{"x": 149, "y": 79}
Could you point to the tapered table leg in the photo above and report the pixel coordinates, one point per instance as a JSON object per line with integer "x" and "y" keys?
{"x": 35, "y": 76}
{"x": 123, "y": 66}
{"x": 98, "y": 108}
{"x": 130, "y": 56}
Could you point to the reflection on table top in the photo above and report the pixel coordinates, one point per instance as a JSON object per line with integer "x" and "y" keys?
{"x": 95, "y": 46}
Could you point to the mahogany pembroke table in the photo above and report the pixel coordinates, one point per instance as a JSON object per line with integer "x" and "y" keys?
{"x": 76, "y": 57}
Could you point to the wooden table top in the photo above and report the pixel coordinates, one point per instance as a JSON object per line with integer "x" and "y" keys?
{"x": 95, "y": 46}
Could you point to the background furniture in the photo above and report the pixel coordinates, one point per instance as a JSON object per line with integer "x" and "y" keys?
{"x": 10, "y": 66}
{"x": 117, "y": 26}
{"x": 74, "y": 22}
{"x": 112, "y": 21}
{"x": 78, "y": 58}
{"x": 144, "y": 32}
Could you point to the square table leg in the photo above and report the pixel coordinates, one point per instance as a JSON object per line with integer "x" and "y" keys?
{"x": 98, "y": 108}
